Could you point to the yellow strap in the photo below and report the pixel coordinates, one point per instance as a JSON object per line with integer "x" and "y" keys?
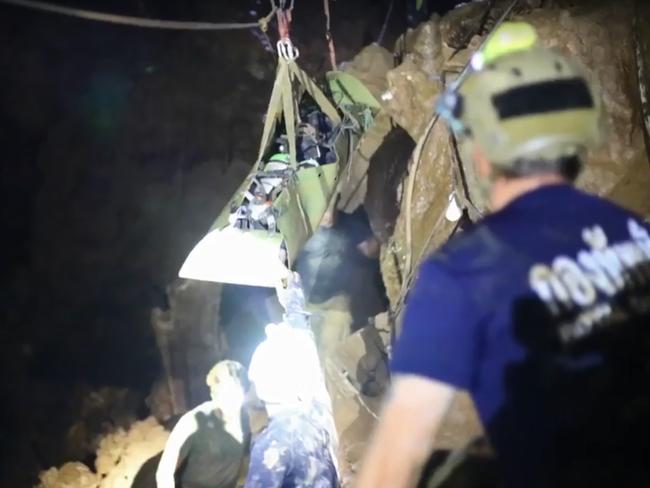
{"x": 316, "y": 93}
{"x": 282, "y": 102}
{"x": 289, "y": 114}
{"x": 274, "y": 109}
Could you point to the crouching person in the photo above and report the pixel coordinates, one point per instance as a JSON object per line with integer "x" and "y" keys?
{"x": 297, "y": 447}
{"x": 206, "y": 448}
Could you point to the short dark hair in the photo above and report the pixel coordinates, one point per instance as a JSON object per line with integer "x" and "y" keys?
{"x": 567, "y": 167}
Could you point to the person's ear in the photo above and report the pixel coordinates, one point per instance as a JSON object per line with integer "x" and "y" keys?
{"x": 483, "y": 166}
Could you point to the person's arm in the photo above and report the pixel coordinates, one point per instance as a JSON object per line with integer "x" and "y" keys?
{"x": 292, "y": 298}
{"x": 404, "y": 437}
{"x": 435, "y": 353}
{"x": 172, "y": 456}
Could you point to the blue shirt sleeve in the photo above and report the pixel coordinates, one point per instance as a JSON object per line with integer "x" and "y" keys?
{"x": 439, "y": 334}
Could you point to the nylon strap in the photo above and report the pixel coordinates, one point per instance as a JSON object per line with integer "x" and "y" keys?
{"x": 274, "y": 109}
{"x": 289, "y": 114}
{"x": 282, "y": 101}
{"x": 316, "y": 93}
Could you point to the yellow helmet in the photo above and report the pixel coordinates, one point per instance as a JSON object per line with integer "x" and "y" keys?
{"x": 523, "y": 104}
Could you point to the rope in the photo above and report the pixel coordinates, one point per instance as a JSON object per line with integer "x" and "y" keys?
{"x": 328, "y": 35}
{"x": 419, "y": 149}
{"x": 284, "y": 23}
{"x": 135, "y": 21}
{"x": 382, "y": 32}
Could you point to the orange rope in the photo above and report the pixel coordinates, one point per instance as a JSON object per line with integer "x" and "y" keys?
{"x": 284, "y": 23}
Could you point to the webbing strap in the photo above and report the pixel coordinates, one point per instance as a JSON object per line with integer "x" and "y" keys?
{"x": 289, "y": 114}
{"x": 282, "y": 101}
{"x": 316, "y": 93}
{"x": 274, "y": 109}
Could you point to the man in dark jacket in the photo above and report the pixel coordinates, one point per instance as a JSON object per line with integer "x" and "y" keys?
{"x": 207, "y": 446}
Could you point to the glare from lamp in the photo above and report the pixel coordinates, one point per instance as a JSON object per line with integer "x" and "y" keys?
{"x": 231, "y": 255}
{"x": 285, "y": 367}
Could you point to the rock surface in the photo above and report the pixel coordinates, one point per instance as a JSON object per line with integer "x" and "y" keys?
{"x": 121, "y": 459}
{"x": 464, "y": 22}
{"x": 642, "y": 38}
{"x": 370, "y": 67}
{"x": 354, "y": 412}
{"x": 122, "y": 455}
{"x": 619, "y": 169}
{"x": 602, "y": 40}
{"x": 70, "y": 475}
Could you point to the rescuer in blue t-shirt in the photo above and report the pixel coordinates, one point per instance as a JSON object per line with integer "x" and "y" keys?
{"x": 542, "y": 310}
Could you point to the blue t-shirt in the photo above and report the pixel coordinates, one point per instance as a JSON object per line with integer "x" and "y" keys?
{"x": 542, "y": 312}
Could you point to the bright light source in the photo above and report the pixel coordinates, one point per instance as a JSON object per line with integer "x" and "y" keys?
{"x": 230, "y": 255}
{"x": 229, "y": 395}
{"x": 285, "y": 368}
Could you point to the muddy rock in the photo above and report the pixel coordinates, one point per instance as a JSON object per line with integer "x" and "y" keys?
{"x": 364, "y": 360}
{"x": 70, "y": 475}
{"x": 421, "y": 225}
{"x": 427, "y": 48}
{"x": 416, "y": 41}
{"x": 461, "y": 24}
{"x": 370, "y": 66}
{"x": 642, "y": 34}
{"x": 189, "y": 340}
{"x": 415, "y": 83}
{"x": 386, "y": 171}
{"x": 122, "y": 455}
{"x": 412, "y": 94}
{"x": 331, "y": 321}
{"x": 160, "y": 401}
{"x": 352, "y": 370}
{"x": 355, "y": 186}
{"x": 602, "y": 40}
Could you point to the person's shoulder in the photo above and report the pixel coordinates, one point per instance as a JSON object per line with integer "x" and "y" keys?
{"x": 601, "y": 202}
{"x": 609, "y": 215}
{"x": 477, "y": 248}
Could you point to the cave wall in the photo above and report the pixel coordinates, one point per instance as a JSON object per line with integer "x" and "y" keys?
{"x": 642, "y": 39}
{"x": 600, "y": 37}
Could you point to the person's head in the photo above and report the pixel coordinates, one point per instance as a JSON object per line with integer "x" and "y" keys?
{"x": 523, "y": 112}
{"x": 278, "y": 161}
{"x": 228, "y": 383}
{"x": 284, "y": 369}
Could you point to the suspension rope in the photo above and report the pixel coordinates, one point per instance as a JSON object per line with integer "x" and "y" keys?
{"x": 328, "y": 35}
{"x": 384, "y": 26}
{"x": 137, "y": 21}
